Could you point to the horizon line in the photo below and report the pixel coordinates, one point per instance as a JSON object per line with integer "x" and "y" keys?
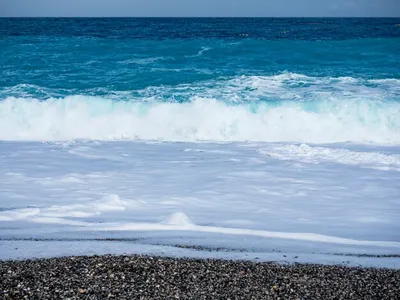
{"x": 197, "y": 17}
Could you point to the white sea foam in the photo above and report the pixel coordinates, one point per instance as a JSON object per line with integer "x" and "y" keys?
{"x": 184, "y": 226}
{"x": 312, "y": 154}
{"x": 80, "y": 117}
{"x": 178, "y": 219}
{"x": 301, "y": 198}
{"x": 20, "y": 214}
{"x": 285, "y": 107}
{"x": 144, "y": 61}
{"x": 56, "y": 213}
{"x": 200, "y": 53}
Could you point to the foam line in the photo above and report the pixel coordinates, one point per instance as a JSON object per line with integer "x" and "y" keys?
{"x": 180, "y": 222}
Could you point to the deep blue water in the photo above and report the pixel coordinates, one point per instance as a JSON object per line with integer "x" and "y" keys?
{"x": 338, "y": 66}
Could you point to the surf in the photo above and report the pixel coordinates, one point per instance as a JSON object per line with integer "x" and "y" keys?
{"x": 201, "y": 119}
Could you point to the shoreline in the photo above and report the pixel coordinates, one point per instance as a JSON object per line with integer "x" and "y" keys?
{"x": 47, "y": 249}
{"x": 155, "y": 277}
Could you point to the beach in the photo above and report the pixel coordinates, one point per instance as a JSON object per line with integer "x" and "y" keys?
{"x": 231, "y": 158}
{"x": 147, "y": 277}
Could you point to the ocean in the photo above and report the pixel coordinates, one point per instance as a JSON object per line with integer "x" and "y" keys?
{"x": 269, "y": 138}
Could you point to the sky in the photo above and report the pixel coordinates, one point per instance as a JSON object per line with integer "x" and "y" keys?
{"x": 199, "y": 8}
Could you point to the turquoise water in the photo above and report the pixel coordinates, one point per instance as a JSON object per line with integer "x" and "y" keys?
{"x": 244, "y": 76}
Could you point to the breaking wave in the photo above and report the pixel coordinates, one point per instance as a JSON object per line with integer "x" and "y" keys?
{"x": 273, "y": 109}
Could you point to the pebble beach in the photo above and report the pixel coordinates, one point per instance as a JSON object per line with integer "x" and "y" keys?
{"x": 147, "y": 277}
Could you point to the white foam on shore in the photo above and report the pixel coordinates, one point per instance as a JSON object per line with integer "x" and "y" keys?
{"x": 285, "y": 196}
{"x": 178, "y": 219}
{"x": 316, "y": 154}
{"x": 55, "y": 213}
{"x": 21, "y": 250}
{"x": 180, "y": 222}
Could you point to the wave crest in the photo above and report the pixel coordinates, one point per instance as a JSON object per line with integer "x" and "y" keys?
{"x": 201, "y": 119}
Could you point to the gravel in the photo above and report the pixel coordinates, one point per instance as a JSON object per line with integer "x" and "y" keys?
{"x": 146, "y": 277}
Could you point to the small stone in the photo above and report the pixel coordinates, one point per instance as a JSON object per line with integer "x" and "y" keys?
{"x": 140, "y": 277}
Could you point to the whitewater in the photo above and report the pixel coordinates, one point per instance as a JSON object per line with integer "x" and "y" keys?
{"x": 186, "y": 144}
{"x": 286, "y": 107}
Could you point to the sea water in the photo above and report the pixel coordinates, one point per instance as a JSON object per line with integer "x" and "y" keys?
{"x": 266, "y": 138}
